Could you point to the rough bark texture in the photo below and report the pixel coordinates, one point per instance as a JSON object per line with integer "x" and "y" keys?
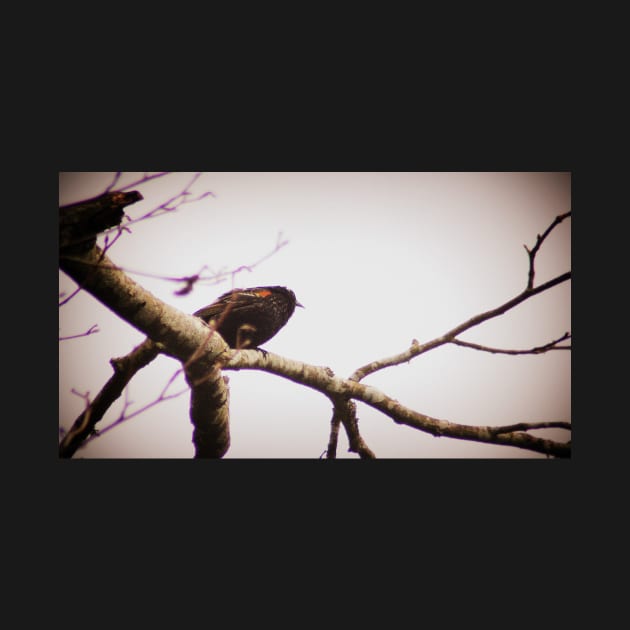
{"x": 80, "y": 223}
{"x": 321, "y": 379}
{"x": 181, "y": 336}
{"x": 209, "y": 413}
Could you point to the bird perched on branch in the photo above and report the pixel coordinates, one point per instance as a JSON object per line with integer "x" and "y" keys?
{"x": 247, "y": 318}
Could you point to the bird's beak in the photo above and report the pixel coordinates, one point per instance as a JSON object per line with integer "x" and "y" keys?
{"x": 300, "y": 305}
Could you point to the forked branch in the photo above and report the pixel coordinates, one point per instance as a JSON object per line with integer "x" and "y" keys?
{"x": 539, "y": 241}
{"x": 552, "y": 345}
{"x": 530, "y": 291}
{"x": 323, "y": 381}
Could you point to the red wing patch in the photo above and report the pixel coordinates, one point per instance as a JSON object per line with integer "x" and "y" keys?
{"x": 264, "y": 293}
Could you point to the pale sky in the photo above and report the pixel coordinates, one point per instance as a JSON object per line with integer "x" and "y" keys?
{"x": 377, "y": 259}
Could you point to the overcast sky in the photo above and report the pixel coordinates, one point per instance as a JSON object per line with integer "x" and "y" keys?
{"x": 377, "y": 259}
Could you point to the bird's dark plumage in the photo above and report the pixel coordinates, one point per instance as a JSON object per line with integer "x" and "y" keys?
{"x": 247, "y": 318}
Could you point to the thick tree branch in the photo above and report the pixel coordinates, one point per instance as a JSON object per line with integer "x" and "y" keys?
{"x": 209, "y": 411}
{"x": 532, "y": 426}
{"x": 345, "y": 412}
{"x": 335, "y": 423}
{"x": 80, "y": 223}
{"x": 180, "y": 335}
{"x": 320, "y": 379}
{"x": 92, "y": 270}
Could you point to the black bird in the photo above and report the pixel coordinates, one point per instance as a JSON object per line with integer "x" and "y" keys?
{"x": 247, "y": 318}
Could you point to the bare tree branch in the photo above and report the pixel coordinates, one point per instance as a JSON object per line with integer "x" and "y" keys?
{"x": 417, "y": 349}
{"x": 172, "y": 204}
{"x": 80, "y": 223}
{"x": 335, "y": 422}
{"x": 89, "y": 267}
{"x": 124, "y": 416}
{"x": 124, "y": 370}
{"x": 178, "y": 334}
{"x": 552, "y": 345}
{"x": 90, "y": 331}
{"x": 209, "y": 412}
{"x": 539, "y": 241}
{"x": 345, "y": 412}
{"x": 145, "y": 178}
{"x": 212, "y": 279}
{"x": 116, "y": 179}
{"x": 531, "y": 426}
{"x": 79, "y": 286}
{"x": 321, "y": 380}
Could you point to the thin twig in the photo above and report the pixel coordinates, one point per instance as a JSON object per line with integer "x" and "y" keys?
{"x": 90, "y": 331}
{"x": 212, "y": 279}
{"x": 173, "y": 203}
{"x": 124, "y": 416}
{"x": 539, "y": 241}
{"x": 117, "y": 177}
{"x": 145, "y": 178}
{"x": 552, "y": 345}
